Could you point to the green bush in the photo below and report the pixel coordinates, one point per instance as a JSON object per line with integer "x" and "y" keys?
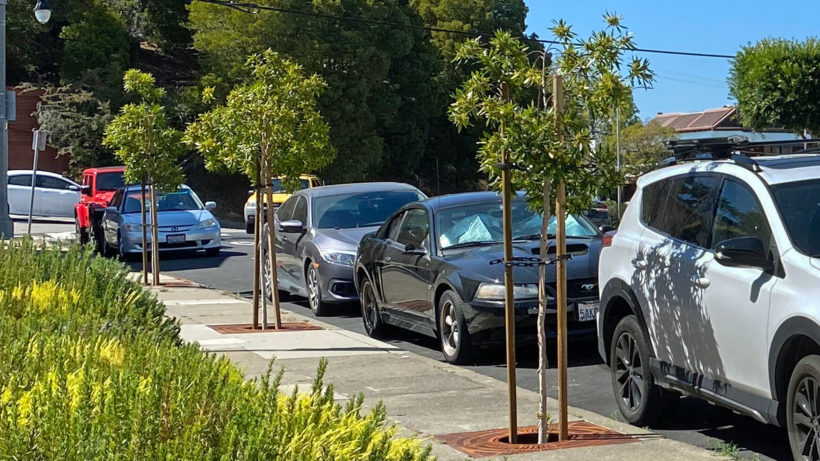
{"x": 91, "y": 369}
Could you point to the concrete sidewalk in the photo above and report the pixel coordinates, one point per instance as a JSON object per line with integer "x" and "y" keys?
{"x": 426, "y": 397}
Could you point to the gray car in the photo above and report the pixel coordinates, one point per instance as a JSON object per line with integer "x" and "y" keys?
{"x": 318, "y": 231}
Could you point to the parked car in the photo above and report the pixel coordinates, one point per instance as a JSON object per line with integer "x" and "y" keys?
{"x": 318, "y": 231}
{"x": 279, "y": 197}
{"x": 54, "y": 195}
{"x": 184, "y": 223}
{"x": 435, "y": 267}
{"x": 710, "y": 288}
{"x": 98, "y": 186}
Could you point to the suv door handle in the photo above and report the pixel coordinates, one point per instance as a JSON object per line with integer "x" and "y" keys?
{"x": 702, "y": 282}
{"x": 639, "y": 263}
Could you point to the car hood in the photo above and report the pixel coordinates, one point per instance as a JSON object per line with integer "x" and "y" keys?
{"x": 483, "y": 264}
{"x": 104, "y": 196}
{"x": 342, "y": 239}
{"x": 173, "y": 218}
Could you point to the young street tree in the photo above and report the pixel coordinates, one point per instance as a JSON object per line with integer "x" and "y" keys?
{"x": 542, "y": 147}
{"x": 149, "y": 149}
{"x": 777, "y": 84}
{"x": 269, "y": 127}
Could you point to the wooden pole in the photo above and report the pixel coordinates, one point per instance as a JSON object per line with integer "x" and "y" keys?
{"x": 561, "y": 276}
{"x": 144, "y": 235}
{"x": 154, "y": 236}
{"x": 257, "y": 242}
{"x": 509, "y": 300}
{"x": 274, "y": 282}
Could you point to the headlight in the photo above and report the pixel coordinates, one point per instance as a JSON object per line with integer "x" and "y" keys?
{"x": 496, "y": 291}
{"x": 132, "y": 227}
{"x": 344, "y": 258}
{"x": 210, "y": 222}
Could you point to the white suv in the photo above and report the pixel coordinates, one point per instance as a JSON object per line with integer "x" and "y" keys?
{"x": 711, "y": 287}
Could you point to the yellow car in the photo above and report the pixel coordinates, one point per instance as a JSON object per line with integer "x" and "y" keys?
{"x": 279, "y": 197}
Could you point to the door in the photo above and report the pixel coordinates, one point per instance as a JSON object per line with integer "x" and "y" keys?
{"x": 57, "y": 196}
{"x": 112, "y": 218}
{"x": 284, "y": 213}
{"x": 671, "y": 271}
{"x": 406, "y": 270}
{"x": 737, "y": 299}
{"x": 19, "y": 192}
{"x": 293, "y": 244}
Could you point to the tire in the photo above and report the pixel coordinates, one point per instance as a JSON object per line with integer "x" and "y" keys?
{"x": 803, "y": 409}
{"x": 212, "y": 252}
{"x": 639, "y": 399}
{"x": 81, "y": 234}
{"x": 314, "y": 291}
{"x": 371, "y": 315}
{"x": 249, "y": 228}
{"x": 454, "y": 337}
{"x": 96, "y": 237}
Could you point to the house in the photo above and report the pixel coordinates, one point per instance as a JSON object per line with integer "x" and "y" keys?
{"x": 21, "y": 134}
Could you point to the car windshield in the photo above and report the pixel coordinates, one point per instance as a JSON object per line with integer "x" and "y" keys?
{"x": 182, "y": 200}
{"x": 359, "y": 209}
{"x": 799, "y": 204}
{"x": 479, "y": 223}
{"x": 279, "y": 188}
{"x": 109, "y": 181}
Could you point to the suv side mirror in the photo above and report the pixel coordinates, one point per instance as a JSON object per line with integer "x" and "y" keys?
{"x": 85, "y": 190}
{"x": 742, "y": 252}
{"x": 291, "y": 226}
{"x": 411, "y": 249}
{"x": 606, "y": 228}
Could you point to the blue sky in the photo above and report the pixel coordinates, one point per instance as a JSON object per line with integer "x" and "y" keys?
{"x": 684, "y": 84}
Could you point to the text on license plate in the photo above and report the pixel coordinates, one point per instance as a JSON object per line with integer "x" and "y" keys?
{"x": 176, "y": 238}
{"x": 587, "y": 311}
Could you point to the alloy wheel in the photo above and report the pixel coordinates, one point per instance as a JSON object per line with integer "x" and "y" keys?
{"x": 370, "y": 310}
{"x": 450, "y": 333}
{"x": 628, "y": 373}
{"x": 314, "y": 296}
{"x": 266, "y": 272}
{"x": 806, "y": 418}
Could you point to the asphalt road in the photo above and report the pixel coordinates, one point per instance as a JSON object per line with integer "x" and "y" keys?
{"x": 696, "y": 422}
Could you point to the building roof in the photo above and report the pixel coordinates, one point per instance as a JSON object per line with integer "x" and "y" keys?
{"x": 722, "y": 118}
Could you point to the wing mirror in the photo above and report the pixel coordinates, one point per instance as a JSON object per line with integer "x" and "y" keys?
{"x": 111, "y": 209}
{"x": 85, "y": 190}
{"x": 210, "y": 206}
{"x": 411, "y": 249}
{"x": 291, "y": 226}
{"x": 606, "y": 228}
{"x": 742, "y": 252}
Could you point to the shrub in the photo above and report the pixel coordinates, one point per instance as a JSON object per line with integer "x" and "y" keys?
{"x": 91, "y": 369}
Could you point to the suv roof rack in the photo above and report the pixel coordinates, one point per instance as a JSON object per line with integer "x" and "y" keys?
{"x": 747, "y": 162}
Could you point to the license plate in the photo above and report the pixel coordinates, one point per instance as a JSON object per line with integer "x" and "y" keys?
{"x": 587, "y": 311}
{"x": 176, "y": 238}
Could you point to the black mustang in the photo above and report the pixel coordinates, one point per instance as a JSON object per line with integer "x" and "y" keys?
{"x": 435, "y": 267}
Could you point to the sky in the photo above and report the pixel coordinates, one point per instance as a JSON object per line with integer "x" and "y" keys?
{"x": 684, "y": 84}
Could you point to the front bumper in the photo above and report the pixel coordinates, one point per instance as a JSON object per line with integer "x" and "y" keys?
{"x": 486, "y": 321}
{"x": 195, "y": 239}
{"x": 336, "y": 282}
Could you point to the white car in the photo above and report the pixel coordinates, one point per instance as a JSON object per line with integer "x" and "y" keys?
{"x": 711, "y": 287}
{"x": 54, "y": 195}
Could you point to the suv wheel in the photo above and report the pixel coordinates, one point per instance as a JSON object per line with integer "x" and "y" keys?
{"x": 371, "y": 317}
{"x": 314, "y": 292}
{"x": 81, "y": 234}
{"x": 803, "y": 409}
{"x": 636, "y": 394}
{"x": 452, "y": 330}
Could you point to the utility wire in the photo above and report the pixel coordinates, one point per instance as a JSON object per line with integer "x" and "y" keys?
{"x": 252, "y": 8}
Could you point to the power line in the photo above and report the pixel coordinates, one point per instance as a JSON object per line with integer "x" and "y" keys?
{"x": 247, "y": 7}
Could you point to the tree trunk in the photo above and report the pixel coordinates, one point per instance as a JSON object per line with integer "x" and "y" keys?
{"x": 154, "y": 237}
{"x": 543, "y": 361}
{"x": 274, "y": 285}
{"x": 257, "y": 250}
{"x": 144, "y": 235}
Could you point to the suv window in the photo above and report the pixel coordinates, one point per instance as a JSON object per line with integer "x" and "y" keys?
{"x": 300, "y": 210}
{"x": 650, "y": 197}
{"x": 20, "y": 180}
{"x": 687, "y": 212}
{"x": 414, "y": 229}
{"x": 739, "y": 214}
{"x": 285, "y": 211}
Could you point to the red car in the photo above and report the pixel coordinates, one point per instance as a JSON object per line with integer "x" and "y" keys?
{"x": 98, "y": 186}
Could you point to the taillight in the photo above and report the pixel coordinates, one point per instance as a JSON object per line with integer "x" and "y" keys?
{"x": 607, "y": 240}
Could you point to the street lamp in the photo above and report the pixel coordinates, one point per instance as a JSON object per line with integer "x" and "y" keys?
{"x": 42, "y": 11}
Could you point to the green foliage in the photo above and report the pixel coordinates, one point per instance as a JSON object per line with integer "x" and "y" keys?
{"x": 161, "y": 22}
{"x": 274, "y": 116}
{"x": 76, "y": 121}
{"x": 642, "y": 147}
{"x": 777, "y": 85}
{"x": 90, "y": 368}
{"x": 97, "y": 41}
{"x": 141, "y": 137}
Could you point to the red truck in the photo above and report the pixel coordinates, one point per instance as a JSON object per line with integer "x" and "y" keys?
{"x": 98, "y": 186}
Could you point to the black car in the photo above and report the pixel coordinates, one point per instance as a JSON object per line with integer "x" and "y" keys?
{"x": 435, "y": 267}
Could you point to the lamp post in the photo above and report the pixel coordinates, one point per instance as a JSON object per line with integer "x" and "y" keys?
{"x": 42, "y": 11}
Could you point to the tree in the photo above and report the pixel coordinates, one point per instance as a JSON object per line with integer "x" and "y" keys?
{"x": 642, "y": 147}
{"x": 539, "y": 148}
{"x": 143, "y": 141}
{"x": 268, "y": 127}
{"x": 775, "y": 82}
{"x": 97, "y": 41}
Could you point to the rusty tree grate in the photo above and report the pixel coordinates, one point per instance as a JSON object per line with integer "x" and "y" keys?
{"x": 248, "y": 328}
{"x": 495, "y": 442}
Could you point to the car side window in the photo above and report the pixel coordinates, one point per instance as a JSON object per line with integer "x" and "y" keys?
{"x": 300, "y": 210}
{"x": 739, "y": 214}
{"x": 689, "y": 208}
{"x": 48, "y": 182}
{"x": 285, "y": 211}
{"x": 391, "y": 229}
{"x": 116, "y": 200}
{"x": 20, "y": 180}
{"x": 414, "y": 229}
{"x": 652, "y": 195}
